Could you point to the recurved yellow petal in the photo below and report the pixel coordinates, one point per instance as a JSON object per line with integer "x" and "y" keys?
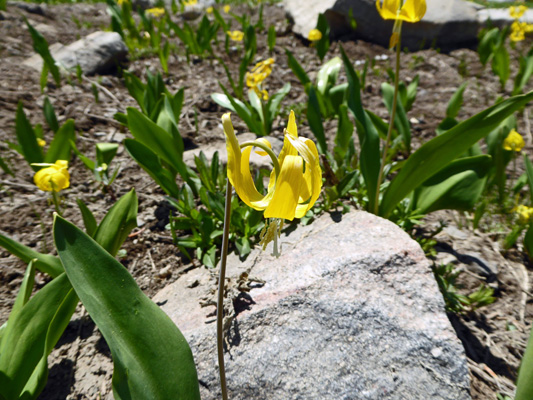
{"x": 287, "y": 193}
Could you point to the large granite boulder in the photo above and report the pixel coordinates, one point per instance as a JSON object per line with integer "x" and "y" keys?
{"x": 447, "y": 25}
{"x": 96, "y": 53}
{"x": 350, "y": 310}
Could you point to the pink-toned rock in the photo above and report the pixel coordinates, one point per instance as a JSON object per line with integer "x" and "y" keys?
{"x": 350, "y": 310}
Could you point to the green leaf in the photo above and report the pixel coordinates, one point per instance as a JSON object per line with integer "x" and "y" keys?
{"x": 297, "y": 69}
{"x": 369, "y": 156}
{"x": 529, "y": 172}
{"x": 441, "y": 150}
{"x": 524, "y": 383}
{"x": 150, "y": 162}
{"x": 458, "y": 186}
{"x": 40, "y": 45}
{"x": 89, "y": 221}
{"x": 90, "y": 164}
{"x": 30, "y": 336}
{"x": 400, "y": 121}
{"x": 327, "y": 74}
{"x": 273, "y": 106}
{"x": 50, "y": 115}
{"x": 156, "y": 139}
{"x": 105, "y": 152}
{"x": 314, "y": 119}
{"x": 455, "y": 103}
{"x": 271, "y": 38}
{"x": 118, "y": 223}
{"x": 322, "y": 46}
{"x": 27, "y": 139}
{"x": 524, "y": 73}
{"x": 501, "y": 64}
{"x": 60, "y": 147}
{"x": 46, "y": 263}
{"x": 151, "y": 358}
{"x": 343, "y": 139}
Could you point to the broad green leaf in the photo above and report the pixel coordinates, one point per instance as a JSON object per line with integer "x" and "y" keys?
{"x": 50, "y": 115}
{"x": 314, "y": 117}
{"x": 343, "y": 138}
{"x": 458, "y": 186}
{"x": 501, "y": 64}
{"x": 455, "y": 103}
{"x": 136, "y": 88}
{"x": 486, "y": 45}
{"x": 105, "y": 152}
{"x": 369, "y": 157}
{"x": 411, "y": 92}
{"x": 89, "y": 221}
{"x": 60, "y": 147}
{"x": 31, "y": 335}
{"x": 327, "y": 75}
{"x": 271, "y": 38}
{"x": 155, "y": 138}
{"x": 46, "y": 263}
{"x": 151, "y": 358}
{"x": 297, "y": 69}
{"x": 27, "y": 139}
{"x": 322, "y": 46}
{"x": 151, "y": 163}
{"x": 400, "y": 121}
{"x": 40, "y": 45}
{"x": 441, "y": 150}
{"x": 118, "y": 223}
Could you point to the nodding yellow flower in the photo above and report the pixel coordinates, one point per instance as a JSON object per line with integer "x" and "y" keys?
{"x": 156, "y": 12}
{"x": 41, "y": 142}
{"x": 513, "y": 142}
{"x": 209, "y": 10}
{"x": 410, "y": 11}
{"x": 120, "y": 2}
{"x": 226, "y": 8}
{"x": 314, "y": 35}
{"x": 236, "y": 36}
{"x": 295, "y": 182}
{"x": 517, "y": 11}
{"x": 53, "y": 178}
{"x": 259, "y": 73}
{"x": 525, "y": 214}
{"x": 188, "y": 3}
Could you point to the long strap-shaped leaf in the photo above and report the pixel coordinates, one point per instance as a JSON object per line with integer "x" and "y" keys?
{"x": 368, "y": 136}
{"x": 441, "y": 150}
{"x": 151, "y": 357}
{"x": 30, "y": 335}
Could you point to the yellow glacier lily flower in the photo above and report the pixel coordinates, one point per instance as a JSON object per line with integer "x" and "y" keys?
{"x": 517, "y": 11}
{"x": 236, "y": 36}
{"x": 209, "y": 10}
{"x": 314, "y": 35}
{"x": 189, "y": 3}
{"x": 295, "y": 182}
{"x": 525, "y": 214}
{"x": 41, "y": 142}
{"x": 513, "y": 142}
{"x": 410, "y": 11}
{"x": 226, "y": 8}
{"x": 156, "y": 12}
{"x": 53, "y": 178}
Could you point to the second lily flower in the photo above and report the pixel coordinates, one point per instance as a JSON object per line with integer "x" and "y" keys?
{"x": 295, "y": 182}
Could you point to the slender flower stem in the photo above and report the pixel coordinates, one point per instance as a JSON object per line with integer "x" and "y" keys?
{"x": 220, "y": 302}
{"x": 391, "y": 125}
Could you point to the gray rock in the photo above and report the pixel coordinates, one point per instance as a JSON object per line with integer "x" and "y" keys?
{"x": 95, "y": 53}
{"x": 32, "y": 8}
{"x": 447, "y": 24}
{"x": 349, "y": 311}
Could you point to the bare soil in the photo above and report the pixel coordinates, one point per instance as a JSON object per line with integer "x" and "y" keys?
{"x": 494, "y": 336}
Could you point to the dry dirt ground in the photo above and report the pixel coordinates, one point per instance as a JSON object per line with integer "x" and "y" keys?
{"x": 80, "y": 366}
